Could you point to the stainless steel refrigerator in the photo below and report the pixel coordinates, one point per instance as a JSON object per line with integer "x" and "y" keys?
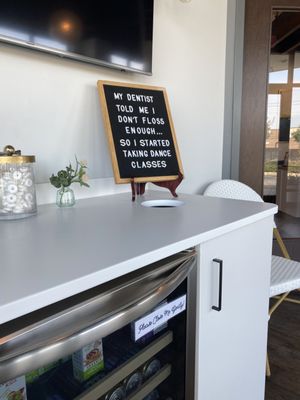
{"x": 131, "y": 338}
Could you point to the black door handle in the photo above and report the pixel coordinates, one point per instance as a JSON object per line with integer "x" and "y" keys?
{"x": 219, "y": 306}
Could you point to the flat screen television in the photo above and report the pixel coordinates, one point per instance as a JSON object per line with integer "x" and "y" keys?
{"x": 113, "y": 33}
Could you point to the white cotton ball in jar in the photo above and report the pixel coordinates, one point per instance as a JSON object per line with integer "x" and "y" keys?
{"x": 12, "y": 188}
{"x": 24, "y": 170}
{"x": 17, "y": 175}
{"x": 23, "y": 204}
{"x": 10, "y": 199}
{"x": 18, "y": 210}
{"x": 7, "y": 176}
{"x": 29, "y": 197}
{"x": 21, "y": 189}
{"x": 7, "y": 206}
{"x": 28, "y": 182}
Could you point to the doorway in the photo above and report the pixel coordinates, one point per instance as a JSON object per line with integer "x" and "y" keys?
{"x": 270, "y": 120}
{"x": 269, "y": 149}
{"x": 282, "y": 143}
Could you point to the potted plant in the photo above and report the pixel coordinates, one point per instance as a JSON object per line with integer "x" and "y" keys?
{"x": 63, "y": 180}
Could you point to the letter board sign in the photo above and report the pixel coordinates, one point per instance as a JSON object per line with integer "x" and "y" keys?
{"x": 140, "y": 132}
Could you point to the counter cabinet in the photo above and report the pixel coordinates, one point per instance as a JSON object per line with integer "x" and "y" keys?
{"x": 233, "y": 235}
{"x": 232, "y": 342}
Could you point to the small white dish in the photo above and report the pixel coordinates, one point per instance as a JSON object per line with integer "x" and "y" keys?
{"x": 162, "y": 203}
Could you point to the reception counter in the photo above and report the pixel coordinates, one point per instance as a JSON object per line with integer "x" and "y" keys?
{"x": 62, "y": 252}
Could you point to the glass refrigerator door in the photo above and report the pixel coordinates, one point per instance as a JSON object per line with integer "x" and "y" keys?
{"x": 144, "y": 359}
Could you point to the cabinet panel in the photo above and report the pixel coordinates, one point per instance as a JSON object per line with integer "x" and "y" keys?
{"x": 232, "y": 342}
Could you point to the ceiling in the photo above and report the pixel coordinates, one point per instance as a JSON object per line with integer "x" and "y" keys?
{"x": 285, "y": 32}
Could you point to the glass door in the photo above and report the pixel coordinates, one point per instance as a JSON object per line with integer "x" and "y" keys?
{"x": 143, "y": 348}
{"x": 119, "y": 366}
{"x": 282, "y": 147}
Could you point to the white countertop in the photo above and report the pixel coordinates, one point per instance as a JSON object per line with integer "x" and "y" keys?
{"x": 61, "y": 252}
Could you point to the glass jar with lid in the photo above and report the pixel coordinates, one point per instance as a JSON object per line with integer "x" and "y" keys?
{"x": 17, "y": 188}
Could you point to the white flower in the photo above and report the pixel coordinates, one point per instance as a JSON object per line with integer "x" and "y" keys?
{"x": 85, "y": 178}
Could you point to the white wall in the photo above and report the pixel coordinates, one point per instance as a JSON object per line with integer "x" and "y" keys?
{"x": 49, "y": 106}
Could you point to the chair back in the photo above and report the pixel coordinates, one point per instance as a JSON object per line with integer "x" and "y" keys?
{"x": 230, "y": 189}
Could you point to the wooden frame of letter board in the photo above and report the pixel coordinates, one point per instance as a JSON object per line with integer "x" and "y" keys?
{"x": 109, "y": 133}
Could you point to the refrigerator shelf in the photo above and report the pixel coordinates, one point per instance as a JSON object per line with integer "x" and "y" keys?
{"x": 152, "y": 383}
{"x": 115, "y": 377}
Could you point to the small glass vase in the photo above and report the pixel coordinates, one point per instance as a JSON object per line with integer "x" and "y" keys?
{"x": 65, "y": 197}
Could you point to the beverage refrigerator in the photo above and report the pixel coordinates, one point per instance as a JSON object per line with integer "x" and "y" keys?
{"x": 130, "y": 338}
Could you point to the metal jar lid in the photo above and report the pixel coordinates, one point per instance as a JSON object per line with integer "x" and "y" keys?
{"x": 12, "y": 156}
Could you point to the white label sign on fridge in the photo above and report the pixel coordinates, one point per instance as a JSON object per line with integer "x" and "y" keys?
{"x": 158, "y": 317}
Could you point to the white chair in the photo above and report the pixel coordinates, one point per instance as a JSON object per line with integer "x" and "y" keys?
{"x": 285, "y": 273}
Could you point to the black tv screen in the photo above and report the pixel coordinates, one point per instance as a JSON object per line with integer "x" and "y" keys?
{"x": 114, "y": 33}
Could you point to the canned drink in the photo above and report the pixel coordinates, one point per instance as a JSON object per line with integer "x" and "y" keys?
{"x": 151, "y": 368}
{"x": 133, "y": 382}
{"x": 117, "y": 394}
{"x": 152, "y": 396}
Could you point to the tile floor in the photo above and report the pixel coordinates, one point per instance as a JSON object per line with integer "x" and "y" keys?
{"x": 284, "y": 327}
{"x": 288, "y": 226}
